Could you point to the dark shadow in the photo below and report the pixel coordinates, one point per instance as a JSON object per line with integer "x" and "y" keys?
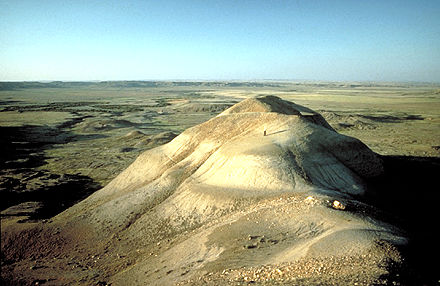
{"x": 22, "y": 151}
{"x": 392, "y": 119}
{"x": 408, "y": 193}
{"x": 53, "y": 199}
{"x": 7, "y": 102}
{"x": 273, "y": 133}
{"x": 23, "y": 146}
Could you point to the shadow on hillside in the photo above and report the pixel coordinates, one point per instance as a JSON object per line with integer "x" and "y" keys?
{"x": 408, "y": 191}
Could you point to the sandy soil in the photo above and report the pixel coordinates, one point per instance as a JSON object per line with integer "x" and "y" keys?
{"x": 79, "y": 145}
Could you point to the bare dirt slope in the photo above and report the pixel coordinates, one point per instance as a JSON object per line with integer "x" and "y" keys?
{"x": 223, "y": 204}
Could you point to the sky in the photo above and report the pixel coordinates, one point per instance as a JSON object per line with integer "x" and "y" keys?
{"x": 332, "y": 40}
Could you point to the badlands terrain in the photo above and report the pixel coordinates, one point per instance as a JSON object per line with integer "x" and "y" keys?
{"x": 219, "y": 183}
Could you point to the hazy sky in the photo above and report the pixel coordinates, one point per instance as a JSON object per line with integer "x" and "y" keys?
{"x": 230, "y": 39}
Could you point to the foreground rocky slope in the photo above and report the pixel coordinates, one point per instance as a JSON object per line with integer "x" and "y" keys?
{"x": 266, "y": 191}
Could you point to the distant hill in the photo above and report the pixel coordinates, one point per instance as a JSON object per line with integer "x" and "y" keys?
{"x": 129, "y": 84}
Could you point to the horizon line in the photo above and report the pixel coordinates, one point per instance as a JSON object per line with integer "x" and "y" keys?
{"x": 226, "y": 80}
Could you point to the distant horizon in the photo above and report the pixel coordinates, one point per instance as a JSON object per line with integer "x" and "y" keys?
{"x": 221, "y": 80}
{"x": 339, "y": 41}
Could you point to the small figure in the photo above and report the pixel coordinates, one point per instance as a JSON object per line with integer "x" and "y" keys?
{"x": 264, "y": 132}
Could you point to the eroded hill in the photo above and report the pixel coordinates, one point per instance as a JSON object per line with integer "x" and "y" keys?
{"x": 266, "y": 191}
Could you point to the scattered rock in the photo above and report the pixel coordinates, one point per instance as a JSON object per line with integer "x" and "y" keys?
{"x": 337, "y": 205}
